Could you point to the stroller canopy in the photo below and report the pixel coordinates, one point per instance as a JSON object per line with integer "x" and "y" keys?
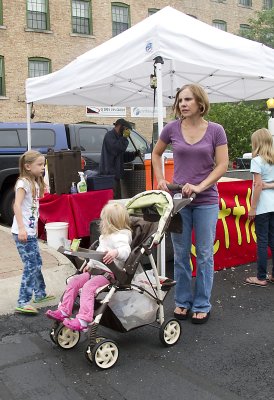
{"x": 149, "y": 202}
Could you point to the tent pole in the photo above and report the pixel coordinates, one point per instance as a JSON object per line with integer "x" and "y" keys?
{"x": 161, "y": 252}
{"x": 28, "y": 125}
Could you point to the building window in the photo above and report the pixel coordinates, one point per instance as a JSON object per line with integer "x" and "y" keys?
{"x": 152, "y": 11}
{"x": 244, "y": 28}
{"x": 2, "y": 77}
{"x": 81, "y": 17}
{"x": 1, "y": 13}
{"x": 38, "y": 14}
{"x": 267, "y": 4}
{"x": 39, "y": 67}
{"x": 120, "y": 18}
{"x": 219, "y": 24}
{"x": 247, "y": 3}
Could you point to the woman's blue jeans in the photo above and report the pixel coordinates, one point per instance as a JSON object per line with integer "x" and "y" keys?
{"x": 32, "y": 278}
{"x": 203, "y": 220}
{"x": 264, "y": 227}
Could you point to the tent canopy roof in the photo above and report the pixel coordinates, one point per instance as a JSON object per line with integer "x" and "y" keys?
{"x": 117, "y": 72}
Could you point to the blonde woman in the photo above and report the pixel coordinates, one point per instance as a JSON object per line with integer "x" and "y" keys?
{"x": 115, "y": 239}
{"x": 28, "y": 188}
{"x": 200, "y": 158}
{"x": 262, "y": 203}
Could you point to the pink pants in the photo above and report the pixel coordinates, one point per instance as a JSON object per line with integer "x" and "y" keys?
{"x": 89, "y": 285}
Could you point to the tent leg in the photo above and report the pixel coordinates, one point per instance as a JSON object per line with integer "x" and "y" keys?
{"x": 161, "y": 250}
{"x": 28, "y": 125}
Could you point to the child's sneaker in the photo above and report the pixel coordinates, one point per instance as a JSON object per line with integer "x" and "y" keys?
{"x": 48, "y": 297}
{"x": 26, "y": 309}
{"x": 75, "y": 325}
{"x": 57, "y": 315}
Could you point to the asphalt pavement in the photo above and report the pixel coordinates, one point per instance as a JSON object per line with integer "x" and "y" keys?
{"x": 229, "y": 358}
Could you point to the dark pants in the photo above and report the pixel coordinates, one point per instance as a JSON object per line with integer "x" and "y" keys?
{"x": 264, "y": 227}
{"x": 117, "y": 193}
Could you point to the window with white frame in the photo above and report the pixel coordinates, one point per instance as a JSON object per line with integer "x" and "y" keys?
{"x": 120, "y": 18}
{"x": 267, "y": 4}
{"x": 217, "y": 23}
{"x": 81, "y": 17}
{"x": 38, "y": 14}
{"x": 39, "y": 66}
{"x": 2, "y": 77}
{"x": 247, "y": 3}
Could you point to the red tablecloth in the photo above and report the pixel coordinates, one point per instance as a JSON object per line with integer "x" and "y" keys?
{"x": 76, "y": 209}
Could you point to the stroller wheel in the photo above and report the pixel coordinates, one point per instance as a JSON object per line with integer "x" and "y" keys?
{"x": 104, "y": 354}
{"x": 170, "y": 332}
{"x": 52, "y": 335}
{"x": 66, "y": 338}
{"x": 88, "y": 349}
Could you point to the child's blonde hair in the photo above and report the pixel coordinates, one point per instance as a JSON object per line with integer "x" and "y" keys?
{"x": 262, "y": 145}
{"x": 28, "y": 158}
{"x": 114, "y": 217}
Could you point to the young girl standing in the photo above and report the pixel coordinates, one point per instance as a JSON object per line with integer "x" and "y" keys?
{"x": 262, "y": 203}
{"x": 115, "y": 240}
{"x": 28, "y": 188}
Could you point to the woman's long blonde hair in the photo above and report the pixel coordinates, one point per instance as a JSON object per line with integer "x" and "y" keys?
{"x": 114, "y": 217}
{"x": 262, "y": 145}
{"x": 28, "y": 158}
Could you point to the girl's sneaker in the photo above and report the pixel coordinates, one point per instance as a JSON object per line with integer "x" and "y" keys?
{"x": 26, "y": 309}
{"x": 75, "y": 325}
{"x": 57, "y": 315}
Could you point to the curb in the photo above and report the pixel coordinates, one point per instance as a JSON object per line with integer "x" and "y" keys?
{"x": 55, "y": 279}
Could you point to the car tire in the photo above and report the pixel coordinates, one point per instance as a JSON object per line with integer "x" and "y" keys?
{"x": 6, "y": 206}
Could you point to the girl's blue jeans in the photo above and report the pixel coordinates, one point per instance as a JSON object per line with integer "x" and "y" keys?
{"x": 32, "y": 278}
{"x": 264, "y": 227}
{"x": 203, "y": 220}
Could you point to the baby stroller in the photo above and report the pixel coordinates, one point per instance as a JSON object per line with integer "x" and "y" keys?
{"x": 135, "y": 298}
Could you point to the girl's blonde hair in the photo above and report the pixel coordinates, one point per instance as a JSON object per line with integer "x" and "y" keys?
{"x": 199, "y": 95}
{"x": 114, "y": 217}
{"x": 262, "y": 145}
{"x": 28, "y": 158}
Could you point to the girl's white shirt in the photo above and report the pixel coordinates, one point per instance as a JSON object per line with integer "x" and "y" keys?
{"x": 30, "y": 208}
{"x": 266, "y": 200}
{"x": 121, "y": 241}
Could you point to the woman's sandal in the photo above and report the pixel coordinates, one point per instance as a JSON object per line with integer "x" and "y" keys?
{"x": 252, "y": 280}
{"x": 202, "y": 320}
{"x": 181, "y": 316}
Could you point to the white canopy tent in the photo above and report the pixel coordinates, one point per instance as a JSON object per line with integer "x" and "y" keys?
{"x": 178, "y": 48}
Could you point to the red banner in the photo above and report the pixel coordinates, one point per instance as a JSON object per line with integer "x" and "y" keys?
{"x": 235, "y": 242}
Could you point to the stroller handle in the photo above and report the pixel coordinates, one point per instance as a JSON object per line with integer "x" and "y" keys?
{"x": 177, "y": 186}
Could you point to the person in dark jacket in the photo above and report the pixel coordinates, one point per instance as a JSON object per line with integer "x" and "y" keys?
{"x": 114, "y": 153}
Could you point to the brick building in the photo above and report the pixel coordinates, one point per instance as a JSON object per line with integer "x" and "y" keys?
{"x": 41, "y": 36}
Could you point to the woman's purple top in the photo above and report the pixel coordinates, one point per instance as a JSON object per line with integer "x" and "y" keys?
{"x": 194, "y": 162}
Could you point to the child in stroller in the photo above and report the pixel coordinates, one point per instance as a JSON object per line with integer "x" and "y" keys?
{"x": 115, "y": 240}
{"x": 135, "y": 297}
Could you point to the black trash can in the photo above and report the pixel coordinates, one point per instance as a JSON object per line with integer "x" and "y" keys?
{"x": 134, "y": 181}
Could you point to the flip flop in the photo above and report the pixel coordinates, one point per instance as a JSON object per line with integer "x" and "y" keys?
{"x": 27, "y": 309}
{"x": 44, "y": 299}
{"x": 180, "y": 316}
{"x": 270, "y": 279}
{"x": 200, "y": 321}
{"x": 252, "y": 280}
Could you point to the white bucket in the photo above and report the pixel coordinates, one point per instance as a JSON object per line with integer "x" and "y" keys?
{"x": 56, "y": 231}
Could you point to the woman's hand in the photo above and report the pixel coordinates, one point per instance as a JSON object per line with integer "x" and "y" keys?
{"x": 188, "y": 189}
{"x": 110, "y": 256}
{"x": 162, "y": 185}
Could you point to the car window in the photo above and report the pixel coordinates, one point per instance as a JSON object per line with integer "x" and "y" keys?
{"x": 91, "y": 138}
{"x": 139, "y": 142}
{"x": 39, "y": 137}
{"x": 9, "y": 138}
